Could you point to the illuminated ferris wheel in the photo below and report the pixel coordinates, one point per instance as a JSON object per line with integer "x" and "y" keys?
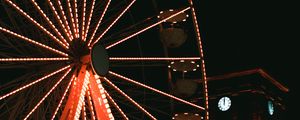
{"x": 53, "y": 51}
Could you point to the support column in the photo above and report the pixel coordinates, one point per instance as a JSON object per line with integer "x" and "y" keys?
{"x": 76, "y": 97}
{"x": 102, "y": 109}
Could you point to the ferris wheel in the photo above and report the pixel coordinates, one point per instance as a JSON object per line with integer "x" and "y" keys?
{"x": 56, "y": 60}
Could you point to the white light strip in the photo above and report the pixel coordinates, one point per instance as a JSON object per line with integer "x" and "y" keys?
{"x": 32, "y": 83}
{"x": 103, "y": 96}
{"x": 129, "y": 98}
{"x": 65, "y": 19}
{"x": 91, "y": 104}
{"x": 63, "y": 97}
{"x": 49, "y": 22}
{"x": 116, "y": 105}
{"x": 98, "y": 24}
{"x": 153, "y": 25}
{"x": 72, "y": 18}
{"x": 48, "y": 93}
{"x": 82, "y": 94}
{"x": 155, "y": 90}
{"x": 83, "y": 20}
{"x": 32, "y": 41}
{"x": 70, "y": 37}
{"x": 202, "y": 61}
{"x": 89, "y": 20}
{"x": 37, "y": 24}
{"x": 114, "y": 22}
{"x": 76, "y": 19}
{"x": 84, "y": 111}
{"x": 153, "y": 58}
{"x": 31, "y": 59}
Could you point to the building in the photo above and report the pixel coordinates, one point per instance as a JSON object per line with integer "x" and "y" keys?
{"x": 245, "y": 95}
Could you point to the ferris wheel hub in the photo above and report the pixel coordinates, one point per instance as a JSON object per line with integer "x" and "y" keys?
{"x": 99, "y": 59}
{"x": 79, "y": 51}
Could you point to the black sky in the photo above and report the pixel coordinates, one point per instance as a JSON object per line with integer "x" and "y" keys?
{"x": 240, "y": 35}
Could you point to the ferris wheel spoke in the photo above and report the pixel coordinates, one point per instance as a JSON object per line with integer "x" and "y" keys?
{"x": 63, "y": 97}
{"x": 65, "y": 20}
{"x": 83, "y": 20}
{"x": 14, "y": 23}
{"x": 148, "y": 27}
{"x": 76, "y": 18}
{"x": 49, "y": 22}
{"x": 37, "y": 24}
{"x": 14, "y": 82}
{"x": 98, "y": 24}
{"x": 131, "y": 115}
{"x": 89, "y": 20}
{"x": 32, "y": 41}
{"x": 70, "y": 37}
{"x": 31, "y": 59}
{"x": 155, "y": 90}
{"x": 71, "y": 17}
{"x": 48, "y": 93}
{"x": 9, "y": 45}
{"x": 122, "y": 102}
{"x": 152, "y": 58}
{"x": 130, "y": 29}
{"x": 116, "y": 105}
{"x": 119, "y": 16}
{"x": 129, "y": 98}
{"x": 33, "y": 83}
{"x": 4, "y": 54}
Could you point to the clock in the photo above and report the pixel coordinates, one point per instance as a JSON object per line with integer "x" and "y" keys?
{"x": 270, "y": 107}
{"x": 224, "y": 103}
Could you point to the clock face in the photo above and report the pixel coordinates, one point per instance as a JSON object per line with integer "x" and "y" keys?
{"x": 224, "y": 103}
{"x": 270, "y": 107}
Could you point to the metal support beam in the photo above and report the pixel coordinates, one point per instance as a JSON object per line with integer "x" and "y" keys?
{"x": 76, "y": 96}
{"x": 103, "y": 112}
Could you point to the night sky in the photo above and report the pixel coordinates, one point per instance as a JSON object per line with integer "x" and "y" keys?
{"x": 249, "y": 34}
